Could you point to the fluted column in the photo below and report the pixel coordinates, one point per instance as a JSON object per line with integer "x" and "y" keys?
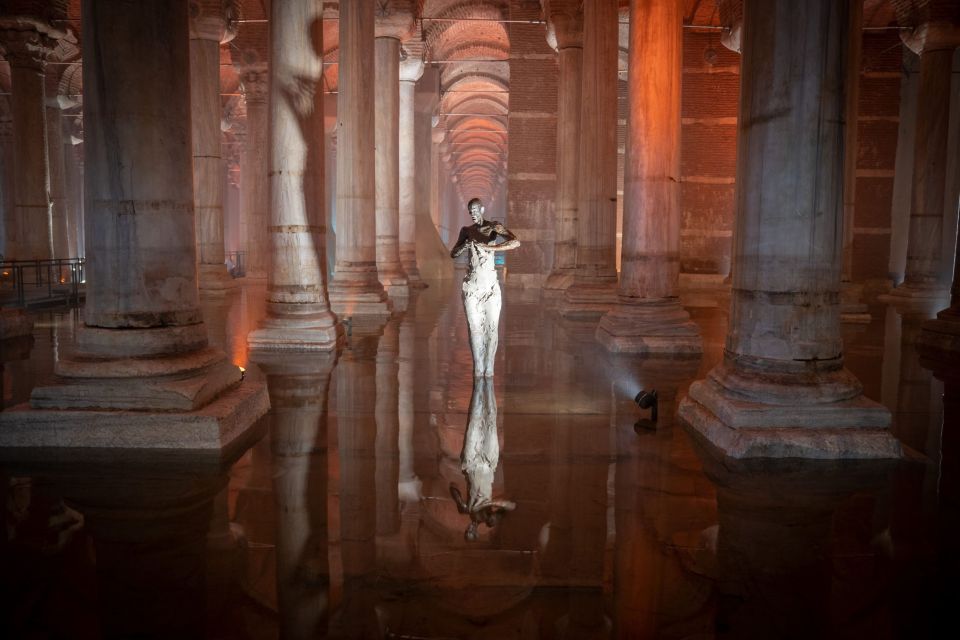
{"x": 648, "y": 317}
{"x": 355, "y": 289}
{"x": 27, "y": 50}
{"x": 411, "y": 70}
{"x": 782, "y": 389}
{"x": 142, "y": 368}
{"x": 568, "y": 33}
{"x": 210, "y": 25}
{"x": 391, "y": 27}
{"x": 593, "y": 292}
{"x": 923, "y": 279}
{"x": 298, "y": 313}
{"x": 254, "y": 195}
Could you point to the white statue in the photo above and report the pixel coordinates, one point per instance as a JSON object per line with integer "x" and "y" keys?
{"x": 481, "y": 291}
{"x": 478, "y": 461}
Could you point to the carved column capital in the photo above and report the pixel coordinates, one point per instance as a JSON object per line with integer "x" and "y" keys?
{"x": 394, "y": 19}
{"x": 214, "y": 20}
{"x": 254, "y": 82}
{"x": 731, "y": 19}
{"x": 27, "y": 48}
{"x": 411, "y": 69}
{"x": 932, "y": 36}
{"x": 565, "y": 30}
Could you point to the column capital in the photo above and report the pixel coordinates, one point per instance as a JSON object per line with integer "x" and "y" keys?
{"x": 731, "y": 19}
{"x": 394, "y": 19}
{"x": 411, "y": 69}
{"x": 565, "y": 30}
{"x": 932, "y": 36}
{"x": 214, "y": 20}
{"x": 254, "y": 81}
{"x": 26, "y": 47}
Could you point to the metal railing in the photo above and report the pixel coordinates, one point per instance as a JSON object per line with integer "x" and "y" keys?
{"x": 24, "y": 280}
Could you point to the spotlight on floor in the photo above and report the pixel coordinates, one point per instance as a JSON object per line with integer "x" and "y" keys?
{"x": 646, "y": 400}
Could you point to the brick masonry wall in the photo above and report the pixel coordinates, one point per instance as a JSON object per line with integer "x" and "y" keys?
{"x": 532, "y": 147}
{"x": 708, "y": 157}
{"x": 877, "y": 125}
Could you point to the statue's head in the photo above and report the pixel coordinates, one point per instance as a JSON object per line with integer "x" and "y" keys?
{"x": 475, "y": 209}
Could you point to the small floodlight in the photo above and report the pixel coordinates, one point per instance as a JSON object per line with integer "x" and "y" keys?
{"x": 647, "y": 400}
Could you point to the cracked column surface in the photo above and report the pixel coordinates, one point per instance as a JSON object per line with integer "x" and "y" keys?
{"x": 298, "y": 313}
{"x": 411, "y": 70}
{"x": 648, "y": 317}
{"x": 355, "y": 289}
{"x": 923, "y": 281}
{"x": 142, "y": 374}
{"x": 210, "y": 26}
{"x": 782, "y": 389}
{"x": 567, "y": 28}
{"x": 593, "y": 291}
{"x": 389, "y": 30}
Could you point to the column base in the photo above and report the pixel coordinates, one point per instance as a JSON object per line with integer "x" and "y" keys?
{"x": 225, "y": 421}
{"x": 852, "y": 310}
{"x": 588, "y": 300}
{"x": 650, "y": 326}
{"x": 358, "y": 297}
{"x": 908, "y": 294}
{"x": 284, "y": 330}
{"x": 260, "y": 274}
{"x": 215, "y": 278}
{"x": 394, "y": 281}
{"x": 738, "y": 427}
{"x": 15, "y": 323}
{"x": 413, "y": 274}
{"x": 559, "y": 280}
{"x": 181, "y": 382}
{"x": 940, "y": 336}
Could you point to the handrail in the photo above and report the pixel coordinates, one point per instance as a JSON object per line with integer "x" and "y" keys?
{"x": 20, "y": 275}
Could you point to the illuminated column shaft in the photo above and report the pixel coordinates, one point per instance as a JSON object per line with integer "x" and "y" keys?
{"x": 254, "y": 193}
{"x": 410, "y": 71}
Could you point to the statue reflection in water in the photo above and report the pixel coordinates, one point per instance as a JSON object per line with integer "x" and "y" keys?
{"x": 478, "y": 461}
{"x": 481, "y": 291}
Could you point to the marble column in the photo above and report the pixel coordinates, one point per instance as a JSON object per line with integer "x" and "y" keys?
{"x": 298, "y": 313}
{"x": 72, "y": 189}
{"x": 411, "y": 69}
{"x": 923, "y": 282}
{"x": 59, "y": 220}
{"x": 390, "y": 29}
{"x": 210, "y": 26}
{"x": 142, "y": 373}
{"x": 568, "y": 34}
{"x": 593, "y": 291}
{"x": 27, "y": 51}
{"x": 355, "y": 289}
{"x": 254, "y": 195}
{"x": 782, "y": 389}
{"x": 11, "y": 230}
{"x": 648, "y": 317}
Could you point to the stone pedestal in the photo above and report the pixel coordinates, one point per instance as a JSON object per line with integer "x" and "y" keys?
{"x": 298, "y": 314}
{"x": 782, "y": 390}
{"x": 648, "y": 317}
{"x": 567, "y": 30}
{"x": 26, "y": 49}
{"x": 593, "y": 291}
{"x": 142, "y": 374}
{"x": 387, "y": 134}
{"x": 411, "y": 70}
{"x": 922, "y": 283}
{"x": 209, "y": 28}
{"x": 254, "y": 194}
{"x": 15, "y": 323}
{"x": 355, "y": 289}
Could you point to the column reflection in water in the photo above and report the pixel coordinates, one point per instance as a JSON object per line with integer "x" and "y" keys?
{"x": 356, "y": 394}
{"x": 388, "y": 430}
{"x": 298, "y": 386}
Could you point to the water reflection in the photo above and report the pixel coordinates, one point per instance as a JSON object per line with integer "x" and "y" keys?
{"x": 478, "y": 461}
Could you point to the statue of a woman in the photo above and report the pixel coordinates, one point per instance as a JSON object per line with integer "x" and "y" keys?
{"x": 481, "y": 291}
